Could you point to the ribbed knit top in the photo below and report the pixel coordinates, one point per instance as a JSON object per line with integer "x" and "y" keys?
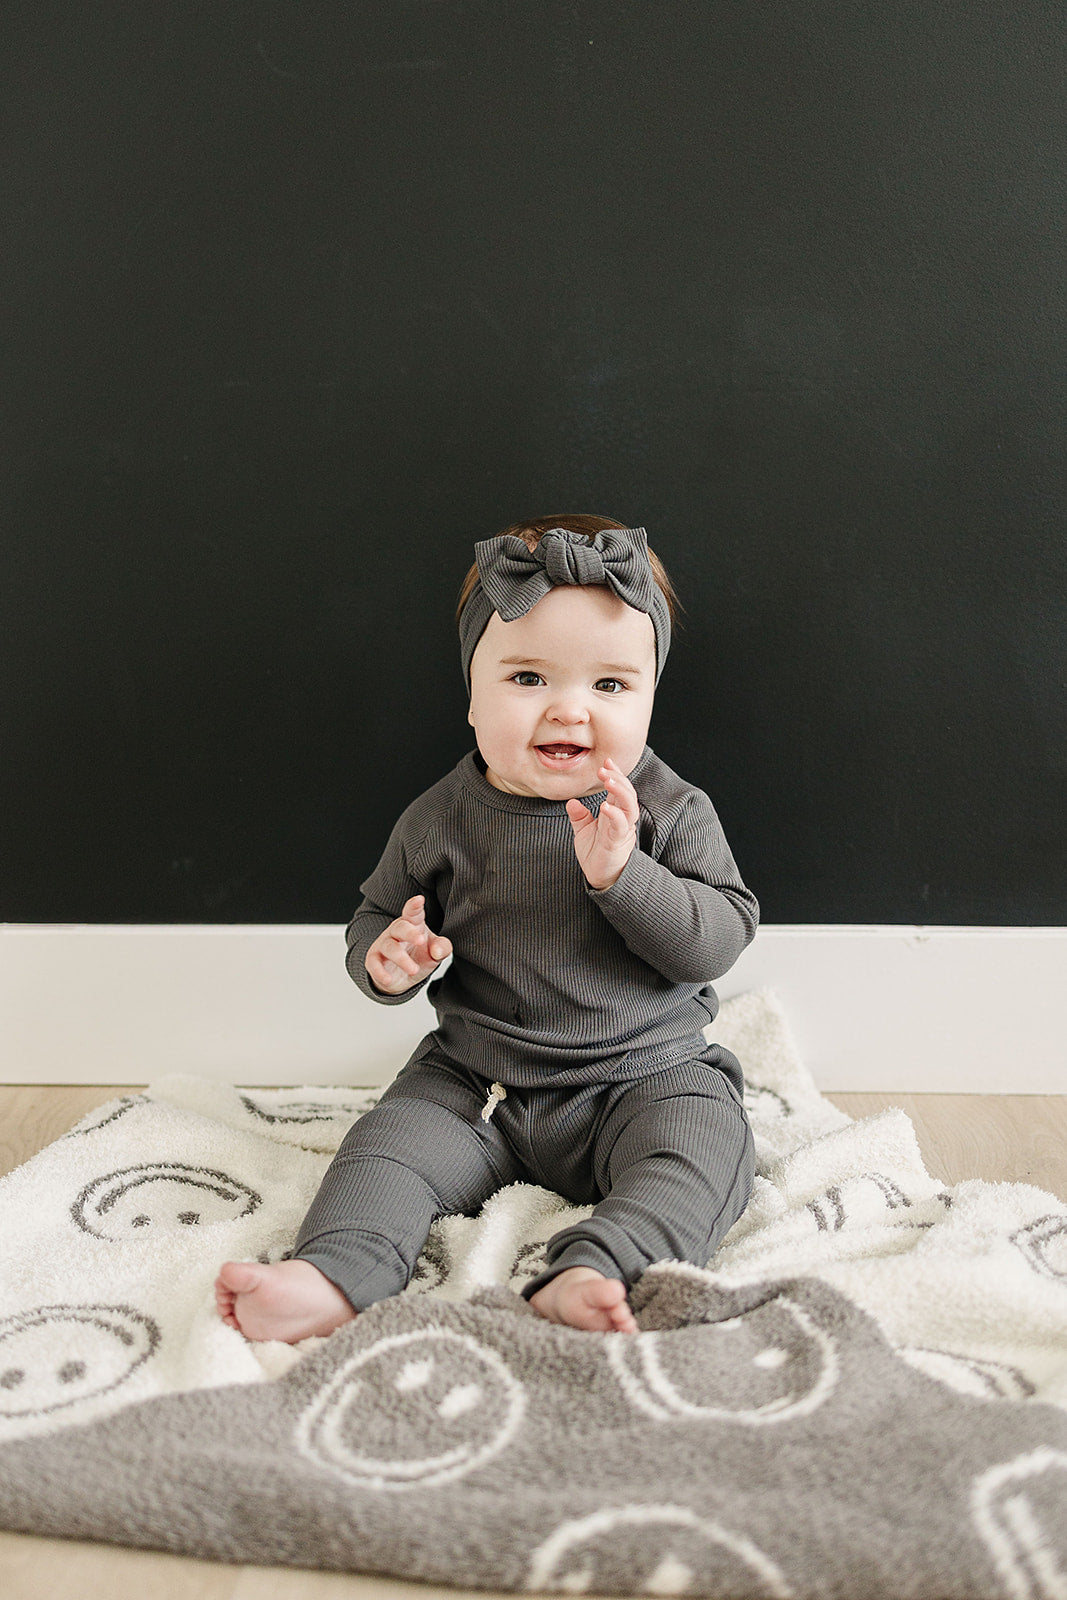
{"x": 552, "y": 981}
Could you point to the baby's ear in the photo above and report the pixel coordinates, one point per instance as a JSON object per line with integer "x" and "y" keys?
{"x": 470, "y": 715}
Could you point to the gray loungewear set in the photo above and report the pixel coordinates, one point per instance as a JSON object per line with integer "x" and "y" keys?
{"x": 569, "y": 1050}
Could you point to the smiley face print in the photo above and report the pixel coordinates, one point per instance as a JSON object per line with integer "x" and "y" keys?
{"x": 432, "y": 1267}
{"x": 974, "y": 1375}
{"x": 302, "y": 1112}
{"x": 1044, "y": 1244}
{"x": 160, "y": 1196}
{"x": 1018, "y": 1509}
{"x": 766, "y": 1366}
{"x": 104, "y": 1115}
{"x": 766, "y": 1105}
{"x": 652, "y": 1550}
{"x": 53, "y": 1357}
{"x": 413, "y": 1410}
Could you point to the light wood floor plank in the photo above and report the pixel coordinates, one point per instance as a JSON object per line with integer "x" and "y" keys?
{"x": 1011, "y": 1138}
{"x": 70, "y": 1569}
{"x": 33, "y": 1115}
{"x": 272, "y": 1583}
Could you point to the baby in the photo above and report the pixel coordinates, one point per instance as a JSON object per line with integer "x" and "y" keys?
{"x": 587, "y": 897}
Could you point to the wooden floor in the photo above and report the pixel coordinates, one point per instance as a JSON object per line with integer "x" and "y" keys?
{"x": 1004, "y": 1138}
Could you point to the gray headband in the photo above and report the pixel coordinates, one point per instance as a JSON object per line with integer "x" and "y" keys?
{"x": 512, "y": 578}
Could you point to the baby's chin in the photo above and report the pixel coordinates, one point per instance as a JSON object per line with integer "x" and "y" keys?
{"x": 534, "y": 785}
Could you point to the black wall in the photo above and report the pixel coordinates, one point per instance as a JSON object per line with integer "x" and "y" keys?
{"x": 301, "y": 299}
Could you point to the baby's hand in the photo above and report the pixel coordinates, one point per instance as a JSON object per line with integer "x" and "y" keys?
{"x": 407, "y": 951}
{"x": 603, "y": 843}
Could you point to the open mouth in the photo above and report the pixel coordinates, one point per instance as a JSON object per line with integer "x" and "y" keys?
{"x": 559, "y": 755}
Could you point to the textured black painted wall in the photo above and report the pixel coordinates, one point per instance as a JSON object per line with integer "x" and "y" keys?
{"x": 300, "y": 300}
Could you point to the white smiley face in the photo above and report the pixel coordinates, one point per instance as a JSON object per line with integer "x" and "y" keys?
{"x": 771, "y": 1364}
{"x": 1018, "y": 1510}
{"x": 415, "y": 1409}
{"x": 160, "y": 1196}
{"x": 55, "y": 1356}
{"x": 653, "y": 1550}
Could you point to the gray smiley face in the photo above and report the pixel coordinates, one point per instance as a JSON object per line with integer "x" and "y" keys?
{"x": 432, "y": 1267}
{"x": 55, "y": 1356}
{"x": 771, "y": 1364}
{"x": 307, "y": 1111}
{"x": 653, "y": 1550}
{"x": 103, "y": 1115}
{"x": 160, "y": 1196}
{"x": 766, "y": 1105}
{"x": 1044, "y": 1244}
{"x": 414, "y": 1409}
{"x": 531, "y": 1259}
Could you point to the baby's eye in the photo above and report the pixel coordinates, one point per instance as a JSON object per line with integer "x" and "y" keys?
{"x": 527, "y": 680}
{"x": 610, "y": 685}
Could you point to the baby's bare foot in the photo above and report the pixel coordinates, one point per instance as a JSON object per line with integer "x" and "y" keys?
{"x": 581, "y": 1297}
{"x": 290, "y": 1300}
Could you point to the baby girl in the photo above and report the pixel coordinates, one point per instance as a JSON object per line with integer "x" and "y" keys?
{"x": 587, "y": 897}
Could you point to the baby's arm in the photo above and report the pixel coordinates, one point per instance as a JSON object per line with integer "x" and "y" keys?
{"x": 377, "y": 936}
{"x": 406, "y": 952}
{"x": 680, "y": 904}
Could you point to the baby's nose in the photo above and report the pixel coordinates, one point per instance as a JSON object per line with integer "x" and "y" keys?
{"x": 569, "y": 710}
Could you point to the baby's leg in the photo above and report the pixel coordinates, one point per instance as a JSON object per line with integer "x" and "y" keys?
{"x": 674, "y": 1160}
{"x": 403, "y": 1163}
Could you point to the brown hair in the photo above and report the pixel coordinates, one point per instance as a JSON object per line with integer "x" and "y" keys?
{"x": 587, "y": 525}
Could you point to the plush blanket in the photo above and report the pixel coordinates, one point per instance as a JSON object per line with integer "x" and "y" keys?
{"x": 865, "y": 1397}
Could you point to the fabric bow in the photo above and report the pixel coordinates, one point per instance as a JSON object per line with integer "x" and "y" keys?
{"x": 516, "y": 577}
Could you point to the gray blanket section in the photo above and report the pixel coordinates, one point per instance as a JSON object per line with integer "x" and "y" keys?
{"x": 761, "y": 1442}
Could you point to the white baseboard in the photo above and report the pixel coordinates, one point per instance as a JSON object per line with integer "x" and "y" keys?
{"x": 953, "y": 1010}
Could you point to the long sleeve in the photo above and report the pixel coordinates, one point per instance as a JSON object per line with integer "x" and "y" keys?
{"x": 687, "y": 913}
{"x": 385, "y": 893}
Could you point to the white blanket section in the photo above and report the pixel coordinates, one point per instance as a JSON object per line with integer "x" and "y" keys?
{"x": 120, "y": 1227}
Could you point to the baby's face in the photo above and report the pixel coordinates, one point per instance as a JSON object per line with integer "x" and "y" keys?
{"x": 557, "y": 692}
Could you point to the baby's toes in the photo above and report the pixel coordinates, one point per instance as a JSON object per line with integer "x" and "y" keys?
{"x": 604, "y": 1293}
{"x": 608, "y": 1298}
{"x": 622, "y": 1318}
{"x": 224, "y": 1302}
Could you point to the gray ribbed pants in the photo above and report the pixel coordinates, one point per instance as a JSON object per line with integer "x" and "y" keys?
{"x": 667, "y": 1160}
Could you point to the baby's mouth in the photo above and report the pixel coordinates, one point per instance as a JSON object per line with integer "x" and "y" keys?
{"x": 561, "y": 751}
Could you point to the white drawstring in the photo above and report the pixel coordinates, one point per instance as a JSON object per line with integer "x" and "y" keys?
{"x": 496, "y": 1094}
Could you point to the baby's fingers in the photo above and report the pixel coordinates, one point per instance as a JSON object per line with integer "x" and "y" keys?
{"x": 618, "y": 824}
{"x": 580, "y": 815}
{"x": 615, "y": 826}
{"x": 394, "y": 949}
{"x": 386, "y": 975}
{"x": 621, "y": 791}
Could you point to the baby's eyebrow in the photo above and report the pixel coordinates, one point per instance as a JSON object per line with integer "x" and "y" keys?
{"x": 601, "y": 670}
